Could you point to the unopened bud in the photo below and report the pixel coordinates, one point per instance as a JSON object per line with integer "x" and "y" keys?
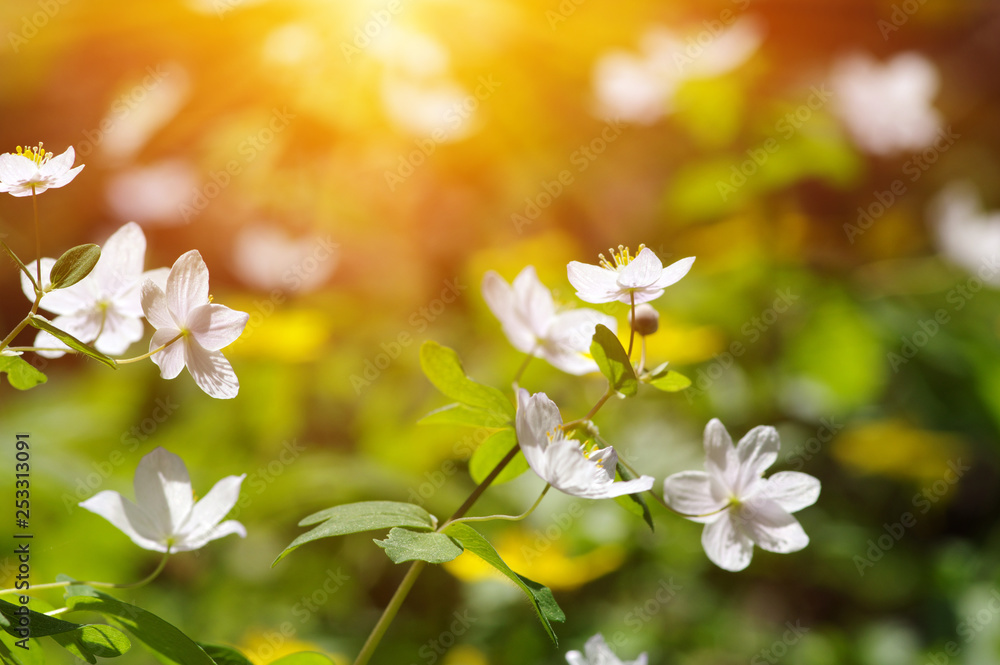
{"x": 647, "y": 319}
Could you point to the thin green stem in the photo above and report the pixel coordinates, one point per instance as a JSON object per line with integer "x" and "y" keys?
{"x": 524, "y": 365}
{"x": 390, "y": 612}
{"x": 642, "y": 355}
{"x": 151, "y": 353}
{"x": 631, "y": 334}
{"x": 590, "y": 414}
{"x": 38, "y": 238}
{"x": 105, "y": 585}
{"x": 509, "y": 518}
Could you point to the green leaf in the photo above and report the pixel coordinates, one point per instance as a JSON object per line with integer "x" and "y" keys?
{"x": 491, "y": 451}
{"x": 70, "y": 341}
{"x": 363, "y": 516}
{"x": 671, "y": 382}
{"x": 613, "y": 361}
{"x": 42, "y": 625}
{"x": 171, "y": 644}
{"x": 461, "y": 414}
{"x": 540, "y": 596}
{"x": 633, "y": 503}
{"x": 20, "y": 373}
{"x": 11, "y": 653}
{"x": 444, "y": 369}
{"x": 432, "y": 547}
{"x": 303, "y": 658}
{"x": 90, "y": 642}
{"x": 223, "y": 655}
{"x": 74, "y": 265}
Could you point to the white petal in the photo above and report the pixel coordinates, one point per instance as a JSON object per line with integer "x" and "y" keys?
{"x": 592, "y": 283}
{"x": 64, "y": 178}
{"x": 44, "y": 340}
{"x": 644, "y": 270}
{"x": 720, "y": 457}
{"x": 187, "y": 285}
{"x": 792, "y": 490}
{"x": 171, "y": 359}
{"x": 569, "y": 471}
{"x": 61, "y": 163}
{"x": 569, "y": 338}
{"x": 226, "y": 528}
{"x": 163, "y": 489}
{"x": 533, "y": 301}
{"x": 726, "y": 546}
{"x": 122, "y": 257}
{"x": 756, "y": 451}
{"x": 537, "y": 415}
{"x": 499, "y": 298}
{"x": 216, "y": 326}
{"x": 125, "y": 516}
{"x": 154, "y": 306}
{"x": 16, "y": 168}
{"x": 690, "y": 493}
{"x": 674, "y": 273}
{"x": 771, "y": 527}
{"x": 209, "y": 511}
{"x": 211, "y": 371}
{"x": 119, "y": 333}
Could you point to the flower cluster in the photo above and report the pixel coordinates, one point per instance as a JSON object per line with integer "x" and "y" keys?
{"x": 731, "y": 497}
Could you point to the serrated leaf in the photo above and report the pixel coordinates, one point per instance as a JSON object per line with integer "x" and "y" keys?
{"x": 633, "y": 503}
{"x": 91, "y": 642}
{"x": 490, "y": 452}
{"x": 671, "y": 382}
{"x": 363, "y": 516}
{"x": 70, "y": 341}
{"x": 432, "y": 547}
{"x": 540, "y": 596}
{"x": 303, "y": 658}
{"x": 223, "y": 655}
{"x": 20, "y": 373}
{"x": 462, "y": 414}
{"x": 75, "y": 264}
{"x": 443, "y": 368}
{"x": 613, "y": 361}
{"x": 171, "y": 645}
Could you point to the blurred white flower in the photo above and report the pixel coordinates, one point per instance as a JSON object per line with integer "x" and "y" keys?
{"x": 887, "y": 108}
{"x": 629, "y": 279}
{"x": 531, "y": 323}
{"x": 738, "y": 506}
{"x": 267, "y": 258}
{"x": 103, "y": 308}
{"x": 165, "y": 516}
{"x": 966, "y": 234}
{"x": 33, "y": 170}
{"x": 184, "y": 309}
{"x": 154, "y": 194}
{"x": 560, "y": 461}
{"x": 597, "y": 652}
{"x": 641, "y": 88}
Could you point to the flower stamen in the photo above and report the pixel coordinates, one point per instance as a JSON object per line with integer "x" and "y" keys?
{"x": 36, "y": 154}
{"x": 621, "y": 258}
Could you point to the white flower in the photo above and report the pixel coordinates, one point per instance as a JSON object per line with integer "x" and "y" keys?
{"x": 597, "y": 652}
{"x": 560, "y": 461}
{"x": 33, "y": 170}
{"x": 165, "y": 516}
{"x": 887, "y": 107}
{"x": 738, "y": 506}
{"x": 531, "y": 323}
{"x": 103, "y": 308}
{"x": 642, "y": 278}
{"x": 185, "y": 309}
{"x": 641, "y": 88}
{"x": 967, "y": 235}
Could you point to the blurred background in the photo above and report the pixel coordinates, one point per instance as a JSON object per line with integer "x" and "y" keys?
{"x": 350, "y": 171}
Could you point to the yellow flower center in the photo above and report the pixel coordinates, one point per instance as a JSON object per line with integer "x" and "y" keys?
{"x": 621, "y": 258}
{"x": 37, "y": 154}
